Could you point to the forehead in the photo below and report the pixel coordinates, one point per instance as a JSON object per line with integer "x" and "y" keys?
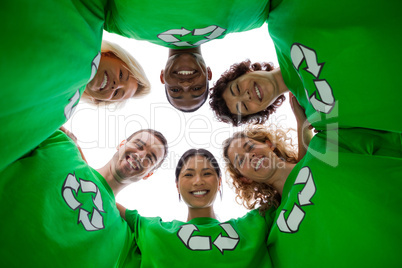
{"x": 187, "y": 100}
{"x": 237, "y": 147}
{"x": 197, "y": 162}
{"x": 149, "y": 140}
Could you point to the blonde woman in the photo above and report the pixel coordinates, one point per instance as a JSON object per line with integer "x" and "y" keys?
{"x": 119, "y": 77}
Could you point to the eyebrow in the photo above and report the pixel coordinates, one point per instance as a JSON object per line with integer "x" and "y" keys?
{"x": 236, "y": 160}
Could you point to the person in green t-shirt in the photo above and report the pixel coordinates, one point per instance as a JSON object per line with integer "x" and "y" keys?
{"x": 202, "y": 241}
{"x": 52, "y": 50}
{"x": 60, "y": 212}
{"x": 324, "y": 63}
{"x": 183, "y": 27}
{"x": 339, "y": 204}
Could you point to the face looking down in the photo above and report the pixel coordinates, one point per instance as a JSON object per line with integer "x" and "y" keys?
{"x": 253, "y": 159}
{"x": 198, "y": 182}
{"x": 113, "y": 81}
{"x": 137, "y": 157}
{"x": 251, "y": 93}
{"x": 186, "y": 78}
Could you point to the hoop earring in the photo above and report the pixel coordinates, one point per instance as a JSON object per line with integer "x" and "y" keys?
{"x": 179, "y": 198}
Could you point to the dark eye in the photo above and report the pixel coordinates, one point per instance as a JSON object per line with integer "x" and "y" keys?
{"x": 188, "y": 175}
{"x": 115, "y": 93}
{"x": 121, "y": 74}
{"x": 175, "y": 90}
{"x": 197, "y": 88}
{"x": 207, "y": 173}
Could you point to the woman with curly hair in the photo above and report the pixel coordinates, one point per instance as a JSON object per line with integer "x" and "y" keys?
{"x": 248, "y": 93}
{"x": 259, "y": 159}
{"x": 119, "y": 77}
{"x": 325, "y": 198}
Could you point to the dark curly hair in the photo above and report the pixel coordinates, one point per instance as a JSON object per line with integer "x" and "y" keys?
{"x": 219, "y": 106}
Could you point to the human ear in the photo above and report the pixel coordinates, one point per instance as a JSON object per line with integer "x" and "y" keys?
{"x": 209, "y": 72}
{"x": 270, "y": 145}
{"x": 121, "y": 144}
{"x": 246, "y": 180}
{"x": 162, "y": 78}
{"x": 148, "y": 175}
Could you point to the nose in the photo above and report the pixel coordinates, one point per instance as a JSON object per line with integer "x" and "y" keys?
{"x": 198, "y": 180}
{"x": 245, "y": 96}
{"x": 185, "y": 84}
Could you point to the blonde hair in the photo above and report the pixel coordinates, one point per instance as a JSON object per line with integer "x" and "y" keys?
{"x": 254, "y": 194}
{"x": 134, "y": 67}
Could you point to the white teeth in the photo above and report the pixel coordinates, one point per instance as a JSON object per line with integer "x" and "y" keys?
{"x": 257, "y": 166}
{"x": 199, "y": 193}
{"x": 258, "y": 92}
{"x": 104, "y": 82}
{"x": 185, "y": 72}
{"x": 131, "y": 164}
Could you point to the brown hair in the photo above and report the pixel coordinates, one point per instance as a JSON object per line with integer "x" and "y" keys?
{"x": 218, "y": 104}
{"x": 253, "y": 194}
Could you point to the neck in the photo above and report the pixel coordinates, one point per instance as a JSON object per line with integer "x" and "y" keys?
{"x": 200, "y": 213}
{"x": 279, "y": 178}
{"x": 282, "y": 88}
{"x": 186, "y": 50}
{"x": 107, "y": 174}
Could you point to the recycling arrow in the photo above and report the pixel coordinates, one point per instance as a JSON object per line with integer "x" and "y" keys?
{"x": 172, "y": 36}
{"x": 72, "y": 104}
{"x": 299, "y": 53}
{"x": 193, "y": 242}
{"x": 90, "y": 187}
{"x": 227, "y": 243}
{"x": 94, "y": 66}
{"x": 292, "y": 223}
{"x": 305, "y": 195}
{"x": 168, "y": 36}
{"x": 71, "y": 184}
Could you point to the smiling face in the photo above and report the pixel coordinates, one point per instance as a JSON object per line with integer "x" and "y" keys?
{"x": 254, "y": 160}
{"x": 113, "y": 81}
{"x": 137, "y": 157}
{"x": 186, "y": 77}
{"x": 251, "y": 93}
{"x": 198, "y": 183}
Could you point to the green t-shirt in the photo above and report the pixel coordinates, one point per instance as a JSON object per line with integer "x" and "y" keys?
{"x": 182, "y": 24}
{"x": 59, "y": 212}
{"x": 50, "y": 52}
{"x": 347, "y": 54}
{"x": 341, "y": 203}
{"x": 202, "y": 242}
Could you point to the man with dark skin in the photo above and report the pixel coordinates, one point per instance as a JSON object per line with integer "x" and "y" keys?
{"x": 186, "y": 79}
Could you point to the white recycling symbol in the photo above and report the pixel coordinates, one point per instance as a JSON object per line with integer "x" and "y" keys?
{"x": 292, "y": 223}
{"x": 70, "y": 186}
{"x": 299, "y": 53}
{"x": 203, "y": 243}
{"x": 172, "y": 36}
{"x": 94, "y": 66}
{"x": 73, "y": 101}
